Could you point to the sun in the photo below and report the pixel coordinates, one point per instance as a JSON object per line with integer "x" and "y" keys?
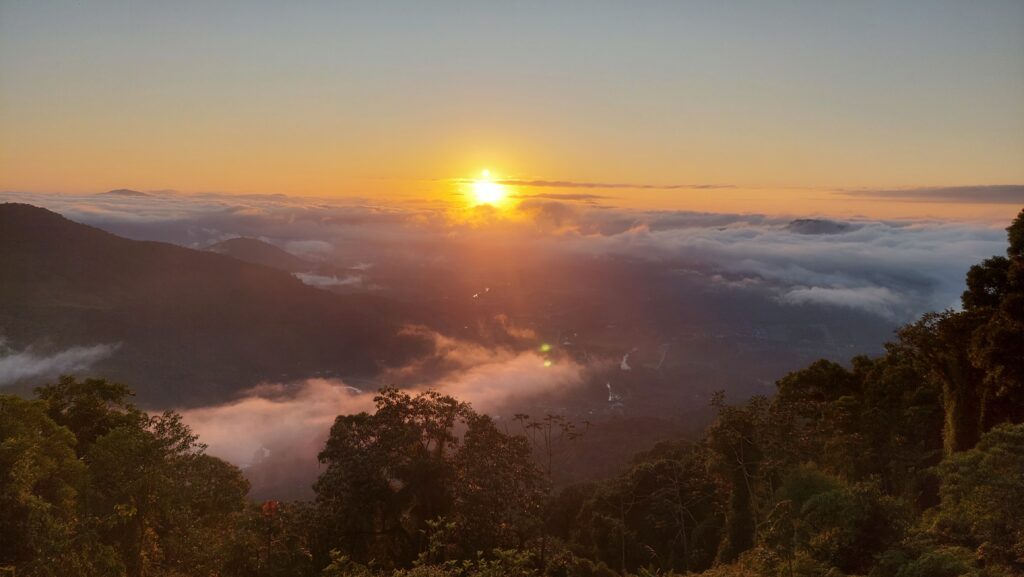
{"x": 487, "y": 191}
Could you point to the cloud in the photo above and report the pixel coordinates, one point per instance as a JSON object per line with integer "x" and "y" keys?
{"x": 273, "y": 423}
{"x": 15, "y": 365}
{"x": 987, "y": 194}
{"x": 875, "y": 299}
{"x": 562, "y": 196}
{"x": 311, "y": 249}
{"x": 323, "y": 281}
{"x": 645, "y": 267}
{"x": 453, "y": 361}
{"x": 276, "y": 414}
{"x": 491, "y": 386}
{"x": 513, "y": 330}
{"x": 611, "y": 185}
{"x": 923, "y": 262}
{"x": 278, "y": 417}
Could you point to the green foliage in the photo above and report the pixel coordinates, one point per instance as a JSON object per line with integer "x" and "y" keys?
{"x": 497, "y": 489}
{"x": 941, "y": 563}
{"x": 271, "y": 540}
{"x": 665, "y": 511}
{"x": 996, "y": 293}
{"x": 40, "y": 484}
{"x": 342, "y": 566}
{"x": 983, "y": 497}
{"x": 1015, "y": 236}
{"x": 938, "y": 344}
{"x": 831, "y": 523}
{"x": 499, "y": 563}
{"x": 738, "y": 443}
{"x": 90, "y": 408}
{"x": 91, "y": 485}
{"x": 881, "y": 421}
{"x": 391, "y": 472}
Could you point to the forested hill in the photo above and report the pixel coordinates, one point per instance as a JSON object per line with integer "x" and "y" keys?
{"x": 910, "y": 464}
{"x": 256, "y": 251}
{"x": 188, "y": 327}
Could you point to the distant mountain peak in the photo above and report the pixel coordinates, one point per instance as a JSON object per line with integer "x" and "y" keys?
{"x": 256, "y": 251}
{"x": 125, "y": 192}
{"x": 819, "y": 226}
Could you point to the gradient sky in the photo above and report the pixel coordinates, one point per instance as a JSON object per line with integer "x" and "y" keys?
{"x": 391, "y": 99}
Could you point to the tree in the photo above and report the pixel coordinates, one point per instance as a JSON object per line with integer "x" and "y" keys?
{"x": 982, "y": 493}
{"x": 996, "y": 291}
{"x": 683, "y": 509}
{"x": 938, "y": 344}
{"x": 139, "y": 498}
{"x": 882, "y": 420}
{"x": 391, "y": 472}
{"x": 206, "y": 499}
{"x": 159, "y": 498}
{"x": 666, "y": 512}
{"x": 807, "y": 410}
{"x": 40, "y": 484}
{"x": 736, "y": 438}
{"x": 549, "y": 438}
{"x": 90, "y": 408}
{"x": 897, "y": 418}
{"x": 498, "y": 491}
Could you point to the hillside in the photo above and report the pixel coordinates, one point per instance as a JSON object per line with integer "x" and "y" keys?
{"x": 193, "y": 326}
{"x": 256, "y": 251}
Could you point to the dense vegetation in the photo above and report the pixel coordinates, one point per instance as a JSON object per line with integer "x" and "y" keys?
{"x": 906, "y": 465}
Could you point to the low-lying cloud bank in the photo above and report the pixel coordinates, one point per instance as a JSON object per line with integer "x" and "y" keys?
{"x": 887, "y": 270}
{"x": 893, "y": 269}
{"x": 25, "y": 364}
{"x": 319, "y": 280}
{"x": 276, "y": 417}
{"x": 277, "y": 423}
{"x": 297, "y": 416}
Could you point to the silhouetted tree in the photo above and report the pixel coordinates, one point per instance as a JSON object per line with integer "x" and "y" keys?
{"x": 391, "y": 472}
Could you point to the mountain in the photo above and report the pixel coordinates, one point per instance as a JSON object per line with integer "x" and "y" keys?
{"x": 256, "y": 251}
{"x": 125, "y": 192}
{"x": 193, "y": 327}
{"x": 819, "y": 226}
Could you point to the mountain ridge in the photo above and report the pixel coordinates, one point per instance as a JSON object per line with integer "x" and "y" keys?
{"x": 195, "y": 327}
{"x": 256, "y": 251}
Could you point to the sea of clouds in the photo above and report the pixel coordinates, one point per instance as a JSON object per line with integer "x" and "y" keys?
{"x": 892, "y": 269}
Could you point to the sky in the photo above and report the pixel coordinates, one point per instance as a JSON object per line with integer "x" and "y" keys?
{"x": 908, "y": 109}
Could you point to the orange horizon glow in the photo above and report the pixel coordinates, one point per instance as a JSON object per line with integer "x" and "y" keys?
{"x": 486, "y": 196}
{"x": 320, "y": 103}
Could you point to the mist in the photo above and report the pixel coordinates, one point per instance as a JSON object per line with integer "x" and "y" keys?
{"x": 275, "y": 422}
{"x": 31, "y": 364}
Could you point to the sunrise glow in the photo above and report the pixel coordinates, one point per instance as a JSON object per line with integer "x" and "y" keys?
{"x": 487, "y": 191}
